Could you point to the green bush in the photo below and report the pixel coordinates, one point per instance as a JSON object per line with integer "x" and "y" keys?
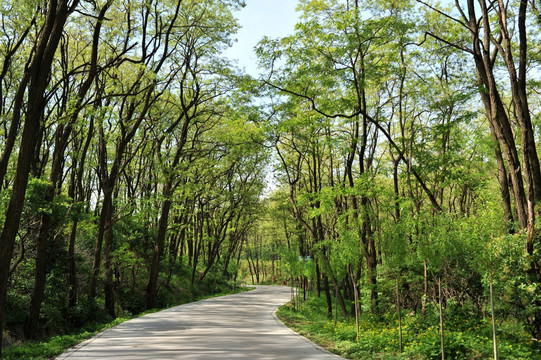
{"x": 16, "y": 307}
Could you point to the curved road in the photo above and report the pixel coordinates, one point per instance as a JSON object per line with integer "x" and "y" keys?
{"x": 241, "y": 326}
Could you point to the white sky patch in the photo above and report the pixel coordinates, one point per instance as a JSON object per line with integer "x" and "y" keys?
{"x": 259, "y": 18}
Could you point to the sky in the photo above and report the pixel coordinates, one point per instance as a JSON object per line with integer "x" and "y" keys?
{"x": 259, "y": 18}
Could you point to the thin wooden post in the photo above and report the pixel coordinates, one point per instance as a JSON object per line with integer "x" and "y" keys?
{"x": 335, "y": 306}
{"x": 494, "y": 337}
{"x": 441, "y": 322}
{"x": 356, "y": 303}
{"x": 399, "y": 317}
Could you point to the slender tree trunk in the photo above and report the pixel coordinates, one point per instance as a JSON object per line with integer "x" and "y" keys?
{"x": 396, "y": 191}
{"x": 72, "y": 265}
{"x": 425, "y": 288}
{"x": 493, "y": 315}
{"x": 152, "y": 287}
{"x": 198, "y": 239}
{"x": 14, "y": 126}
{"x": 442, "y": 337}
{"x": 252, "y": 271}
{"x": 371, "y": 262}
{"x": 398, "y": 308}
{"x": 355, "y": 304}
{"x": 239, "y": 255}
{"x": 96, "y": 265}
{"x": 328, "y": 297}
{"x": 318, "y": 280}
{"x": 32, "y": 317}
{"x": 108, "y": 262}
{"x": 339, "y": 297}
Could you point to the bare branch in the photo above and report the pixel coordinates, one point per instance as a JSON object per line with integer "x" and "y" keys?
{"x": 456, "y": 46}
{"x": 444, "y": 14}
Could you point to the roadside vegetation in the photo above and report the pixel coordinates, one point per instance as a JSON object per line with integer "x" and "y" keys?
{"x": 466, "y": 334}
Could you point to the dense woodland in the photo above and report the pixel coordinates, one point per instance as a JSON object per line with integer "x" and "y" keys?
{"x": 385, "y": 157}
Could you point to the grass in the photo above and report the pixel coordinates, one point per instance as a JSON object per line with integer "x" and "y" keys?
{"x": 465, "y": 337}
{"x": 56, "y": 345}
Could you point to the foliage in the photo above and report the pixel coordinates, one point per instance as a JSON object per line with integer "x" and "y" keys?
{"x": 466, "y": 336}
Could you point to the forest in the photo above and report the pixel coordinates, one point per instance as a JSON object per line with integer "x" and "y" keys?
{"x": 384, "y": 164}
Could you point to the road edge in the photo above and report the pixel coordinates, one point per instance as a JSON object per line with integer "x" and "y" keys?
{"x": 316, "y": 346}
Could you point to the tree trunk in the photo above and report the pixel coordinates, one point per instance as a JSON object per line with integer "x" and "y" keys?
{"x": 107, "y": 255}
{"x": 399, "y": 310}
{"x": 73, "y": 268}
{"x": 176, "y": 246}
{"x": 369, "y": 250}
{"x": 493, "y": 316}
{"x": 339, "y": 297}
{"x": 328, "y": 297}
{"x": 502, "y": 178}
{"x": 442, "y": 337}
{"x": 32, "y": 317}
{"x": 425, "y": 288}
{"x": 318, "y": 280}
{"x": 77, "y": 193}
{"x": 198, "y": 240}
{"x": 96, "y": 265}
{"x": 14, "y": 126}
{"x": 355, "y": 304}
{"x": 152, "y": 287}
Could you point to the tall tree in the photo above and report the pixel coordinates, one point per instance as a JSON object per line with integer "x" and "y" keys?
{"x": 38, "y": 72}
{"x": 62, "y": 136}
{"x": 491, "y": 26}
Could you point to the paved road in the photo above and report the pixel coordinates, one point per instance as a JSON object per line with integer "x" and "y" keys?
{"x": 241, "y": 326}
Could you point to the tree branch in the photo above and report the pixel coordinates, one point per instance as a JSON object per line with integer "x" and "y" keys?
{"x": 377, "y": 124}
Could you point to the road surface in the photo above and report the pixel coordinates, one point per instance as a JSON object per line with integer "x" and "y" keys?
{"x": 240, "y": 326}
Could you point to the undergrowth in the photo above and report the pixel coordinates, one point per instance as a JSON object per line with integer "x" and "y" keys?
{"x": 465, "y": 337}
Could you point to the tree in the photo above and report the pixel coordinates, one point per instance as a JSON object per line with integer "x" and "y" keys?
{"x": 62, "y": 135}
{"x": 490, "y": 34}
{"x": 38, "y": 76}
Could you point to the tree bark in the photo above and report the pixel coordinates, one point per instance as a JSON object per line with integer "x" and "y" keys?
{"x": 108, "y": 261}
{"x": 152, "y": 287}
{"x": 503, "y": 178}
